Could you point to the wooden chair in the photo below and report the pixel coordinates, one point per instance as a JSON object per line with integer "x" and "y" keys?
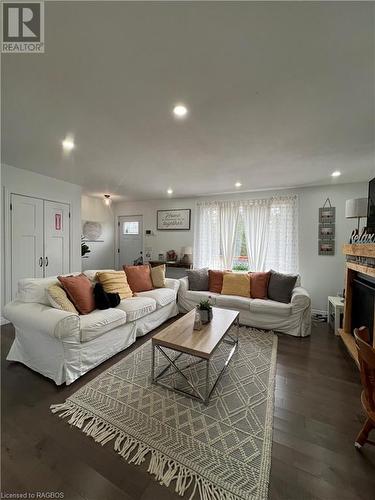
{"x": 366, "y": 355}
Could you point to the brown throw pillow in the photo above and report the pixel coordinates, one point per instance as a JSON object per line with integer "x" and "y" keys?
{"x": 259, "y": 285}
{"x": 215, "y": 281}
{"x": 79, "y": 290}
{"x": 139, "y": 278}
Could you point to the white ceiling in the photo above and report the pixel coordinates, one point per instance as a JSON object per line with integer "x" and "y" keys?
{"x": 280, "y": 94}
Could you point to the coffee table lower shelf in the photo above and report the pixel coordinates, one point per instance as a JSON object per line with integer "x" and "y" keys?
{"x": 196, "y": 394}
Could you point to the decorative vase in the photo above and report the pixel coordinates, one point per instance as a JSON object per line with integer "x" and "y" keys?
{"x": 197, "y": 321}
{"x": 206, "y": 315}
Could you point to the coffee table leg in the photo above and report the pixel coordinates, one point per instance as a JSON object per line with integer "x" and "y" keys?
{"x": 207, "y": 392}
{"x": 153, "y": 364}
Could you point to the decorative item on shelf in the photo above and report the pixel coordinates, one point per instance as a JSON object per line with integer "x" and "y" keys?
{"x": 326, "y": 231}
{"x": 356, "y": 208}
{"x": 171, "y": 256}
{"x": 205, "y": 310}
{"x": 84, "y": 248}
{"x": 175, "y": 220}
{"x": 187, "y": 256}
{"x": 161, "y": 257}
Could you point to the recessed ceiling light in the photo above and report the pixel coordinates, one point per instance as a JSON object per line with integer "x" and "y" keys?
{"x": 170, "y": 191}
{"x": 180, "y": 110}
{"x": 238, "y": 184}
{"x": 68, "y": 144}
{"x": 336, "y": 173}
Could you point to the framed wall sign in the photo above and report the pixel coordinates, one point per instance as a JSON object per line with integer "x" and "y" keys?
{"x": 326, "y": 230}
{"x": 173, "y": 220}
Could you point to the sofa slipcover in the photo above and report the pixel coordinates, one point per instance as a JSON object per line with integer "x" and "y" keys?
{"x": 162, "y": 296}
{"x": 98, "y": 322}
{"x": 137, "y": 307}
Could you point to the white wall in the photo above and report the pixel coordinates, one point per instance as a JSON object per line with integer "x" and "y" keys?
{"x": 321, "y": 275}
{"x": 24, "y": 182}
{"x": 102, "y": 252}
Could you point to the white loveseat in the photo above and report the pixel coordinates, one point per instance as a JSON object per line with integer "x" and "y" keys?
{"x": 293, "y": 318}
{"x": 63, "y": 346}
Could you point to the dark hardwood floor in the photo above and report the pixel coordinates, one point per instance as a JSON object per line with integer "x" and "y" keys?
{"x": 317, "y": 416}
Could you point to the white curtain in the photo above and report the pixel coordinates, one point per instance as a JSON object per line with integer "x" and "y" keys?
{"x": 256, "y": 217}
{"x": 206, "y": 251}
{"x": 282, "y": 252}
{"x": 271, "y": 232}
{"x": 229, "y": 211}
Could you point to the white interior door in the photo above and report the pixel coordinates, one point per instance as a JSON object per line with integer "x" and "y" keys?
{"x": 27, "y": 239}
{"x": 56, "y": 238}
{"x": 130, "y": 239}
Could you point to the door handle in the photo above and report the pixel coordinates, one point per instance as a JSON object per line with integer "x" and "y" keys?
{"x": 46, "y": 261}
{"x": 40, "y": 261}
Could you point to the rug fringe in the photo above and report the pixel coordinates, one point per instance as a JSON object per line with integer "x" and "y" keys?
{"x": 134, "y": 451}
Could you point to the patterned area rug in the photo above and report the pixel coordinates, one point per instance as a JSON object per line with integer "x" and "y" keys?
{"x": 219, "y": 451}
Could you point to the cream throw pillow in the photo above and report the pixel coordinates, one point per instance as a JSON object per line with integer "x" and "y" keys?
{"x": 59, "y": 300}
{"x": 115, "y": 282}
{"x": 236, "y": 284}
{"x": 158, "y": 276}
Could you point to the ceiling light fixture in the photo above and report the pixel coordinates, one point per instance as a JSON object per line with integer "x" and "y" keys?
{"x": 336, "y": 173}
{"x": 68, "y": 144}
{"x": 180, "y": 111}
{"x": 238, "y": 184}
{"x": 170, "y": 191}
{"x": 107, "y": 199}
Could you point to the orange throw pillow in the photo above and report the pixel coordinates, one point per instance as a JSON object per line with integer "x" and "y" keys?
{"x": 79, "y": 290}
{"x": 139, "y": 278}
{"x": 259, "y": 285}
{"x": 215, "y": 281}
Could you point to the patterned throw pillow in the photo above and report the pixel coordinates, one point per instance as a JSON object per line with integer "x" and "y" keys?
{"x": 115, "y": 282}
{"x": 59, "y": 299}
{"x": 158, "y": 276}
{"x": 236, "y": 284}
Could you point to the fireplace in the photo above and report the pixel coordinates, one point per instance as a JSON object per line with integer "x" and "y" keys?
{"x": 363, "y": 303}
{"x": 359, "y": 308}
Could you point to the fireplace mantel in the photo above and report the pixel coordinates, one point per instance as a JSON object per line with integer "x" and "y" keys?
{"x": 360, "y": 258}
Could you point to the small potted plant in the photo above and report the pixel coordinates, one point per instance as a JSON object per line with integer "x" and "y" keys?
{"x": 205, "y": 310}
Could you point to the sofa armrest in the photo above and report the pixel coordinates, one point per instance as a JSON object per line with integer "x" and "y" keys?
{"x": 184, "y": 284}
{"x": 31, "y": 317}
{"x": 172, "y": 283}
{"x": 300, "y": 299}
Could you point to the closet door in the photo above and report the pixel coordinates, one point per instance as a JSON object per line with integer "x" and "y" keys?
{"x": 56, "y": 238}
{"x": 27, "y": 239}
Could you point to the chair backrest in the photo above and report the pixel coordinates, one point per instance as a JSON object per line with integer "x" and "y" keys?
{"x": 366, "y": 356}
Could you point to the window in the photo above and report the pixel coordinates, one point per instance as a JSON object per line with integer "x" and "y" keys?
{"x": 130, "y": 227}
{"x": 240, "y": 259}
{"x": 243, "y": 235}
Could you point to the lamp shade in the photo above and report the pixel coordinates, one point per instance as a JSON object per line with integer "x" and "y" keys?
{"x": 357, "y": 207}
{"x": 187, "y": 251}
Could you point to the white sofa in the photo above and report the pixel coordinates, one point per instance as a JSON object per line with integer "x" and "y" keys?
{"x": 63, "y": 346}
{"x": 293, "y": 318}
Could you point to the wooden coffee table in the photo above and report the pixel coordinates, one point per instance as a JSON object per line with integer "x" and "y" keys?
{"x": 182, "y": 338}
